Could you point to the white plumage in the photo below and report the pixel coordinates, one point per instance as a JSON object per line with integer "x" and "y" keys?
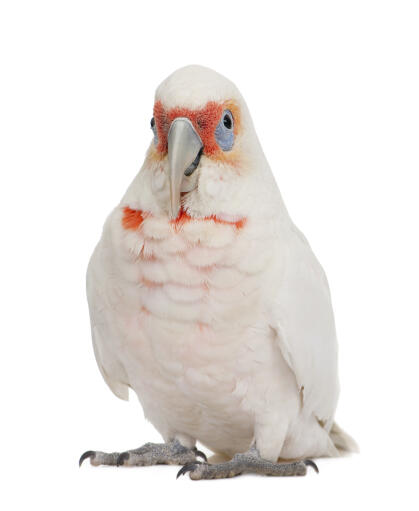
{"x": 221, "y": 321}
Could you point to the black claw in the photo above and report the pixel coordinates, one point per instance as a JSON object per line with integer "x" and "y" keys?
{"x": 200, "y": 454}
{"x": 85, "y": 455}
{"x": 310, "y": 463}
{"x": 122, "y": 458}
{"x": 187, "y": 468}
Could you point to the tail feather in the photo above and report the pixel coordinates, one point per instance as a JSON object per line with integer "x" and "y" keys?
{"x": 343, "y": 442}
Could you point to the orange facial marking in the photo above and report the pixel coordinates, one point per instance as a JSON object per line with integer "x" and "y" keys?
{"x": 162, "y": 126}
{"x": 132, "y": 219}
{"x": 204, "y": 120}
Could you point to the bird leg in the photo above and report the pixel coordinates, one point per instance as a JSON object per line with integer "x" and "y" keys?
{"x": 249, "y": 462}
{"x": 171, "y": 453}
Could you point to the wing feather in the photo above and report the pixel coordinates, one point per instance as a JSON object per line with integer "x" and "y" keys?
{"x": 102, "y": 296}
{"x": 302, "y": 317}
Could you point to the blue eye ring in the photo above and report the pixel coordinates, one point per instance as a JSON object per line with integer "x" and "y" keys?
{"x": 224, "y": 132}
{"x": 154, "y": 130}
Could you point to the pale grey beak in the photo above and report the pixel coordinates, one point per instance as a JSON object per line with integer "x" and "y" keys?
{"x": 184, "y": 147}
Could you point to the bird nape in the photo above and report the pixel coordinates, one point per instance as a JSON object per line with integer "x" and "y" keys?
{"x": 207, "y": 301}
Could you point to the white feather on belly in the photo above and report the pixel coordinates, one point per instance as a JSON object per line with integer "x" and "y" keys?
{"x": 193, "y": 340}
{"x": 191, "y": 329}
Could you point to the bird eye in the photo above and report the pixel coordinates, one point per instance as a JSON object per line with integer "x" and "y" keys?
{"x": 224, "y": 132}
{"x": 227, "y": 121}
{"x": 154, "y": 129}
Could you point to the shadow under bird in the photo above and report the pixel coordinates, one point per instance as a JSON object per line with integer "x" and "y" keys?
{"x": 207, "y": 301}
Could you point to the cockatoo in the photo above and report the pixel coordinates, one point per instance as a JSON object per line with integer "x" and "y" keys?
{"x": 207, "y": 301}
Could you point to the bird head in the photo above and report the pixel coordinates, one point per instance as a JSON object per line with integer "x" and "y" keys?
{"x": 204, "y": 140}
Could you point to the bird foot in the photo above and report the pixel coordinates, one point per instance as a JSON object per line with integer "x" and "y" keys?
{"x": 249, "y": 462}
{"x": 171, "y": 453}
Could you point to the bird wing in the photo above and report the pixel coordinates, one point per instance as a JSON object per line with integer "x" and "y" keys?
{"x": 104, "y": 296}
{"x": 302, "y": 318}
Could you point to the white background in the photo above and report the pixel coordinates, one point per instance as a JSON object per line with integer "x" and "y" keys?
{"x": 333, "y": 88}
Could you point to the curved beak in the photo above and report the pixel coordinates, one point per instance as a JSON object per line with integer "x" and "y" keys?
{"x": 184, "y": 148}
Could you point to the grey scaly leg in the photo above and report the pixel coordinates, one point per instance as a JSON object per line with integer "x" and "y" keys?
{"x": 171, "y": 453}
{"x": 249, "y": 462}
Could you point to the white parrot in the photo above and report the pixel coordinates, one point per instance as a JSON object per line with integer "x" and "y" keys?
{"x": 208, "y": 302}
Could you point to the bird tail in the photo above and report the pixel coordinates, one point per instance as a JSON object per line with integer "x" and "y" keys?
{"x": 343, "y": 442}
